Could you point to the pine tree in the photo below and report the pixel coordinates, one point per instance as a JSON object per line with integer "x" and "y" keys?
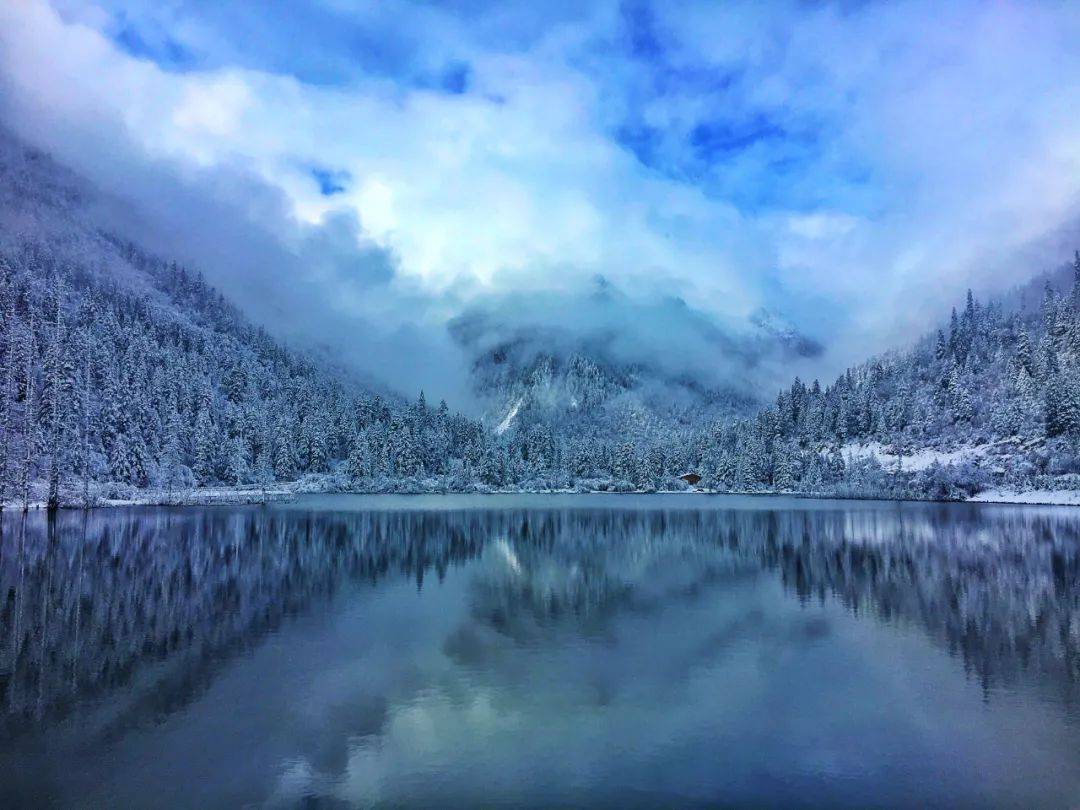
{"x": 941, "y": 348}
{"x": 1069, "y": 409}
{"x": 239, "y": 469}
{"x": 7, "y": 386}
{"x": 1027, "y": 393}
{"x": 315, "y": 445}
{"x": 205, "y": 451}
{"x": 654, "y": 466}
{"x": 954, "y": 334}
{"x": 723, "y": 468}
{"x": 30, "y": 433}
{"x": 581, "y": 461}
{"x": 1025, "y": 356}
{"x": 263, "y": 472}
{"x": 169, "y": 469}
{"x": 785, "y": 473}
{"x": 358, "y": 467}
{"x": 1076, "y": 280}
{"x": 406, "y": 456}
{"x": 284, "y": 458}
{"x": 56, "y": 398}
{"x": 491, "y": 467}
{"x": 85, "y": 419}
{"x": 138, "y": 461}
{"x": 236, "y": 384}
{"x": 963, "y": 407}
{"x": 625, "y": 462}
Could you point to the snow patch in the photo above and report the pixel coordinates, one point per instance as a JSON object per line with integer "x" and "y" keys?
{"x": 918, "y": 460}
{"x": 1043, "y": 496}
{"x": 504, "y": 425}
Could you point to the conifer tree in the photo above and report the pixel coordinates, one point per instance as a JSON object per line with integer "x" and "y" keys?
{"x": 284, "y": 458}
{"x": 238, "y": 469}
{"x": 30, "y": 426}
{"x": 358, "y": 467}
{"x": 205, "y": 451}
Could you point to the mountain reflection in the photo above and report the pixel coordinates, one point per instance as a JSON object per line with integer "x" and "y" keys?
{"x": 93, "y": 602}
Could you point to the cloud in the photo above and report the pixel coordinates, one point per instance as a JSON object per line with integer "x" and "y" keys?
{"x": 852, "y": 166}
{"x": 646, "y": 330}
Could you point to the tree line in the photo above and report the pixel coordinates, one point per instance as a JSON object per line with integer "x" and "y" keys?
{"x": 111, "y": 387}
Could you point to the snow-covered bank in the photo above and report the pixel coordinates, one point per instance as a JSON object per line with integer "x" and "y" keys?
{"x": 330, "y": 484}
{"x": 1070, "y": 497}
{"x": 202, "y": 497}
{"x": 915, "y": 460}
{"x": 189, "y": 497}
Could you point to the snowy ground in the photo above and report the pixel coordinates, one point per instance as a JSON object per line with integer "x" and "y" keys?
{"x": 189, "y": 497}
{"x": 203, "y": 497}
{"x": 1070, "y": 497}
{"x": 289, "y": 491}
{"x": 918, "y": 460}
{"x": 504, "y": 425}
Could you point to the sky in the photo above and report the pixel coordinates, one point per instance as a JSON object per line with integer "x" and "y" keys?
{"x": 360, "y": 174}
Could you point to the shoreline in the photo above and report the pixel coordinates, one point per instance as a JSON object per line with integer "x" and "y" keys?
{"x": 229, "y": 496}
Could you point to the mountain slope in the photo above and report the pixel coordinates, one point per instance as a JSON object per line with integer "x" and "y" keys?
{"x": 121, "y": 371}
{"x": 124, "y": 370}
{"x": 989, "y": 402}
{"x": 604, "y": 364}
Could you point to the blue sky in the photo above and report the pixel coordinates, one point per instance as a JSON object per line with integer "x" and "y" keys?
{"x": 853, "y": 166}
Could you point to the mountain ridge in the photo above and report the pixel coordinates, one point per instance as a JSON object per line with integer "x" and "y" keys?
{"x": 125, "y": 373}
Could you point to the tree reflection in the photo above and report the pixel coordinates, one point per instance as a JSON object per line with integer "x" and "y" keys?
{"x": 91, "y": 601}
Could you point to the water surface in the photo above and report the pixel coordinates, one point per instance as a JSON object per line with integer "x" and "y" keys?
{"x": 542, "y": 650}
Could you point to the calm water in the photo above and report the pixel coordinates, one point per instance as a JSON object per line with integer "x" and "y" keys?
{"x": 539, "y": 651}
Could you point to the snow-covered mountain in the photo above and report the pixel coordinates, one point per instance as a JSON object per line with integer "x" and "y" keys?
{"x": 120, "y": 369}
{"x": 582, "y": 389}
{"x": 606, "y": 365}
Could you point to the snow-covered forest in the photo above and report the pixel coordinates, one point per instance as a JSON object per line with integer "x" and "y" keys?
{"x": 990, "y": 401}
{"x": 171, "y": 388}
{"x": 126, "y": 376}
{"x": 106, "y": 392}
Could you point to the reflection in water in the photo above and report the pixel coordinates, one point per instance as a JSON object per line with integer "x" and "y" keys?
{"x": 130, "y": 616}
{"x": 92, "y": 598}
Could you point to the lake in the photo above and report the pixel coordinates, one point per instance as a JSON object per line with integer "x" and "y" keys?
{"x": 618, "y": 651}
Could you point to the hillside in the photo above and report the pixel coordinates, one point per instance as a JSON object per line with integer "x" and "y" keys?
{"x": 607, "y": 364}
{"x": 580, "y": 387}
{"x": 123, "y": 372}
{"x": 988, "y": 404}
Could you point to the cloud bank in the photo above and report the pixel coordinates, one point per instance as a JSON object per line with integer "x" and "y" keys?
{"x": 360, "y": 174}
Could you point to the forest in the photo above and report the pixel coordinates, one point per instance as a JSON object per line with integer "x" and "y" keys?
{"x": 109, "y": 392}
{"x": 126, "y": 377}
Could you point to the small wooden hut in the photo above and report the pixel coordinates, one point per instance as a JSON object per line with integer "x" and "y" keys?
{"x": 691, "y": 478}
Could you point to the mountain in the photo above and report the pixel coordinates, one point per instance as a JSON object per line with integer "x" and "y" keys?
{"x": 988, "y": 406}
{"x": 579, "y": 387}
{"x": 603, "y": 364}
{"x": 122, "y": 371}
{"x": 123, "y": 374}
